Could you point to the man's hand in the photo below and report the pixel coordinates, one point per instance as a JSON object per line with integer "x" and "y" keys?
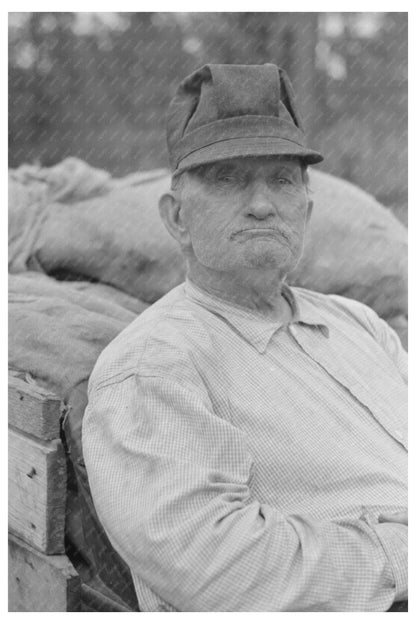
{"x": 399, "y": 516}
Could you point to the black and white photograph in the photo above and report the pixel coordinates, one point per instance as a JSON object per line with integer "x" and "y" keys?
{"x": 208, "y": 311}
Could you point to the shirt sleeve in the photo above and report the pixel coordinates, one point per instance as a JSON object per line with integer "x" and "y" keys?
{"x": 171, "y": 484}
{"x": 389, "y": 340}
{"x": 393, "y": 538}
{"x": 381, "y": 331}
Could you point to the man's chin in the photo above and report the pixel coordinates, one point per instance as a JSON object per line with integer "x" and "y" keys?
{"x": 267, "y": 260}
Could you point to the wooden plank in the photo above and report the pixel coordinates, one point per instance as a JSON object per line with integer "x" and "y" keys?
{"x": 38, "y": 582}
{"x": 33, "y": 409}
{"x": 37, "y": 491}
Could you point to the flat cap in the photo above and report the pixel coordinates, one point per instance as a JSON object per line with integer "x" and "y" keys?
{"x": 227, "y": 111}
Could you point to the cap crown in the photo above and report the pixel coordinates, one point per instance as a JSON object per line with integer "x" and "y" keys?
{"x": 218, "y": 103}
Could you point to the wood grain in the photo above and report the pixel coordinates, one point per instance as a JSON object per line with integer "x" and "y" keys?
{"x": 33, "y": 409}
{"x": 37, "y": 491}
{"x": 38, "y": 582}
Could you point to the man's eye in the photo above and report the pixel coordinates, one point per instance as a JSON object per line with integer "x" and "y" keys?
{"x": 282, "y": 181}
{"x": 231, "y": 180}
{"x": 226, "y": 177}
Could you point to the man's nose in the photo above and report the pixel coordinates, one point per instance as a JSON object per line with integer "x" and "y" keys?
{"x": 261, "y": 203}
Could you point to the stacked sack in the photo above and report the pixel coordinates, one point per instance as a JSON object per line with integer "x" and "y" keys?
{"x": 90, "y": 226}
{"x": 356, "y": 248}
{"x": 73, "y": 221}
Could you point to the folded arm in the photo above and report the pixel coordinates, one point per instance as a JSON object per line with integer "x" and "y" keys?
{"x": 171, "y": 485}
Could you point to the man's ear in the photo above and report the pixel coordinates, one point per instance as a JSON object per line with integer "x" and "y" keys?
{"x": 172, "y": 216}
{"x": 309, "y": 210}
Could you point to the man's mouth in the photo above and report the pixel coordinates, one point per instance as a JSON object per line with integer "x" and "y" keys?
{"x": 259, "y": 233}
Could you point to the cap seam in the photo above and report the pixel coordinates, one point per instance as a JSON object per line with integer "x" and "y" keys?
{"x": 228, "y": 119}
{"x": 189, "y": 135}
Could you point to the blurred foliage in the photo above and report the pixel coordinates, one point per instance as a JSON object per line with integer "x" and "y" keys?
{"x": 97, "y": 85}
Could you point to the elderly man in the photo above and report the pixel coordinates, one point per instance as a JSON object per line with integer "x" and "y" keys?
{"x": 246, "y": 441}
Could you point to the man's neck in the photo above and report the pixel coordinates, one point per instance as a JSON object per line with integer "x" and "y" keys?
{"x": 259, "y": 292}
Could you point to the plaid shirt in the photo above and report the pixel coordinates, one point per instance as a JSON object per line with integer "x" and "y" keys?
{"x": 238, "y": 465}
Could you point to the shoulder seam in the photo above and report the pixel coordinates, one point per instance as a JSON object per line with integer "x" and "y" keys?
{"x": 134, "y": 373}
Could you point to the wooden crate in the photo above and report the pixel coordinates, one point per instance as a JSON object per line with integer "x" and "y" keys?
{"x": 39, "y": 582}
{"x": 41, "y": 577}
{"x": 37, "y": 491}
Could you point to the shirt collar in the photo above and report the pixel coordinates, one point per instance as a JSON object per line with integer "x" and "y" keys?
{"x": 256, "y": 330}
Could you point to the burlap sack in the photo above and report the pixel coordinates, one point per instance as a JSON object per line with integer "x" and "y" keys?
{"x": 57, "y": 331}
{"x": 354, "y": 247}
{"x": 92, "y": 227}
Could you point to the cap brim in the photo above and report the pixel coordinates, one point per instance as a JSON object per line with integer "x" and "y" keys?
{"x": 248, "y": 146}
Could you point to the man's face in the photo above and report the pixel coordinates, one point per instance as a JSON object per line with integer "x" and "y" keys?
{"x": 246, "y": 213}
